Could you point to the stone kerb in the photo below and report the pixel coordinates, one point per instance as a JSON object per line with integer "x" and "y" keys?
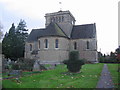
{"x": 50, "y": 62}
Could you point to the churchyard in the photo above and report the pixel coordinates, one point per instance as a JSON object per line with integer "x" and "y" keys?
{"x": 115, "y": 75}
{"x": 59, "y": 77}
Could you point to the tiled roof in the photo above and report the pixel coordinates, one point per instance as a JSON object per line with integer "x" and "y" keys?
{"x": 78, "y": 32}
{"x": 51, "y": 30}
{"x": 35, "y": 33}
{"x": 83, "y": 31}
{"x": 54, "y": 30}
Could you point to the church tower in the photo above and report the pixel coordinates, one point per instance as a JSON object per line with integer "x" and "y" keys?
{"x": 64, "y": 19}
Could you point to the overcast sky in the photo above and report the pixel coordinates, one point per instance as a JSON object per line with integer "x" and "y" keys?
{"x": 102, "y": 12}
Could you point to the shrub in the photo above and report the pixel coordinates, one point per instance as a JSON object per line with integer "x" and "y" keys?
{"x": 74, "y": 64}
{"x": 74, "y": 55}
{"x": 24, "y": 64}
{"x": 15, "y": 66}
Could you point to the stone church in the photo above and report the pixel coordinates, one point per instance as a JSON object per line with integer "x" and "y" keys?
{"x": 53, "y": 43}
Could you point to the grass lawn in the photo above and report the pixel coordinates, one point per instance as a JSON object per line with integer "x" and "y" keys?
{"x": 57, "y": 78}
{"x": 113, "y": 70}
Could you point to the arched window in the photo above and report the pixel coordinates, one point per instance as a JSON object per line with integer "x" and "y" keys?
{"x": 75, "y": 45}
{"x": 30, "y": 47}
{"x": 88, "y": 45}
{"x": 46, "y": 43}
{"x": 39, "y": 44}
{"x": 56, "y": 43}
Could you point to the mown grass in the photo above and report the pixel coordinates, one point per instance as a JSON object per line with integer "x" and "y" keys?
{"x": 113, "y": 68}
{"x": 59, "y": 78}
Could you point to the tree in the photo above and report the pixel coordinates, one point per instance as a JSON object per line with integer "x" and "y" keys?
{"x": 118, "y": 53}
{"x": 74, "y": 64}
{"x": 118, "y": 57}
{"x": 8, "y": 43}
{"x": 22, "y": 35}
{"x": 112, "y": 56}
{"x": 14, "y": 41}
{"x": 21, "y": 29}
{"x": 118, "y": 50}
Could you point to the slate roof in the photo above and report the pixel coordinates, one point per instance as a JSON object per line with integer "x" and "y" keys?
{"x": 54, "y": 30}
{"x": 78, "y": 32}
{"x": 83, "y": 31}
{"x": 51, "y": 30}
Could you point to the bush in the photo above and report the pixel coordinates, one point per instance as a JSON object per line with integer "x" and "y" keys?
{"x": 15, "y": 66}
{"x": 24, "y": 64}
{"x": 107, "y": 60}
{"x": 28, "y": 64}
{"x": 74, "y": 64}
{"x": 74, "y": 55}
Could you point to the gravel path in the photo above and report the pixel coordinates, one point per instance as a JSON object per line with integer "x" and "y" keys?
{"x": 105, "y": 80}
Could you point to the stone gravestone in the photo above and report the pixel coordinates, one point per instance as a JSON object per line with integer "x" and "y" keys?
{"x": 52, "y": 66}
{"x": 16, "y": 73}
{"x": 38, "y": 67}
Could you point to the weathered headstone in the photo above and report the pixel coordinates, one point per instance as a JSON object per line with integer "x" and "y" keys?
{"x": 15, "y": 73}
{"x": 36, "y": 66}
{"x": 52, "y": 66}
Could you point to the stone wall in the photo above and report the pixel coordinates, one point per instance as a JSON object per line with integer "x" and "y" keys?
{"x": 84, "y": 53}
{"x": 50, "y": 54}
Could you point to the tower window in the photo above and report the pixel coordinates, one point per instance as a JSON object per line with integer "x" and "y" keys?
{"x": 30, "y": 47}
{"x": 88, "y": 45}
{"x": 56, "y": 43}
{"x": 39, "y": 44}
{"x": 75, "y": 45}
{"x": 46, "y": 43}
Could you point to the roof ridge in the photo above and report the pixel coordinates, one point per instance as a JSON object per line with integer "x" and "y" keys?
{"x": 39, "y": 29}
{"x": 84, "y": 24}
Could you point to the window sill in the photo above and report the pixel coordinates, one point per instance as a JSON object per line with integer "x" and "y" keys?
{"x": 87, "y": 49}
{"x": 56, "y": 48}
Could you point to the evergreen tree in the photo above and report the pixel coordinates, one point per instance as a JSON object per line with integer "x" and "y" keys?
{"x": 118, "y": 57}
{"x": 8, "y": 43}
{"x": 21, "y": 29}
{"x": 22, "y": 34}
{"x": 118, "y": 53}
{"x": 112, "y": 56}
{"x": 14, "y": 41}
{"x": 118, "y": 50}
